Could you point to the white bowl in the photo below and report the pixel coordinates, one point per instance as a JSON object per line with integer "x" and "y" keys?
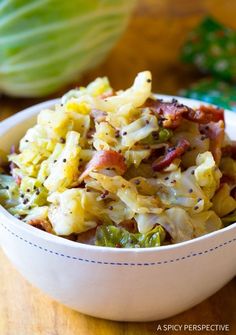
{"x": 117, "y": 284}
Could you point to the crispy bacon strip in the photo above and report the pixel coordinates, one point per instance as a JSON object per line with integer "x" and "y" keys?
{"x": 98, "y": 115}
{"x": 205, "y": 114}
{"x": 41, "y": 224}
{"x": 105, "y": 159}
{"x": 215, "y": 132}
{"x": 170, "y": 113}
{"x": 172, "y": 153}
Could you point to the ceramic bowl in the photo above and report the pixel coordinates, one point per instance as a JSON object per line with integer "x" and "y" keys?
{"x": 117, "y": 284}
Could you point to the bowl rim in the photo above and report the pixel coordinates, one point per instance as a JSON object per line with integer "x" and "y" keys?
{"x": 32, "y": 111}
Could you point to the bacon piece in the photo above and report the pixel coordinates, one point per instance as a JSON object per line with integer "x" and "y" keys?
{"x": 172, "y": 153}
{"x": 105, "y": 159}
{"x": 130, "y": 225}
{"x": 205, "y": 114}
{"x": 230, "y": 150}
{"x": 90, "y": 133}
{"x": 215, "y": 132}
{"x": 98, "y": 115}
{"x": 87, "y": 237}
{"x": 41, "y": 224}
{"x": 170, "y": 113}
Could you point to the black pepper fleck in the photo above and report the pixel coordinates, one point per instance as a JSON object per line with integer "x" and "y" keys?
{"x": 170, "y": 149}
{"x": 103, "y": 195}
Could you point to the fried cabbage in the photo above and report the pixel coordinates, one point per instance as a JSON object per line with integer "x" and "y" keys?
{"x": 130, "y": 170}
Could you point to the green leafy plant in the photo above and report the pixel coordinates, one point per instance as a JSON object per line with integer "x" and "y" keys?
{"x": 45, "y": 44}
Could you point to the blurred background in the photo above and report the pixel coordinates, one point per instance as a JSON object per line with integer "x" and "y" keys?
{"x": 154, "y": 39}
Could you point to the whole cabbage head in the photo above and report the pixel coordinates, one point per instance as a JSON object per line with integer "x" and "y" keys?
{"x": 45, "y": 44}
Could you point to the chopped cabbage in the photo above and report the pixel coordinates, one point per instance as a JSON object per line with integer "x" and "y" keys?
{"x": 9, "y": 191}
{"x": 177, "y": 223}
{"x": 138, "y": 130}
{"x": 37, "y": 213}
{"x": 135, "y": 96}
{"x": 112, "y": 236}
{"x": 66, "y": 213}
{"x": 64, "y": 171}
{"x": 104, "y": 137}
{"x": 231, "y": 218}
{"x": 207, "y": 173}
{"x": 205, "y": 222}
{"x": 135, "y": 157}
{"x": 223, "y": 202}
{"x": 96, "y": 88}
{"x": 228, "y": 167}
{"x": 127, "y": 193}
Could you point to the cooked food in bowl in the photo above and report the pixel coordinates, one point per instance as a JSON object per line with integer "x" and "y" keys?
{"x": 123, "y": 169}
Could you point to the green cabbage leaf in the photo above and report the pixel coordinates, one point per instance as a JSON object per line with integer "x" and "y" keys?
{"x": 112, "y": 236}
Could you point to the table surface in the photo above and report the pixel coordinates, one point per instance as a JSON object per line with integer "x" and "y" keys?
{"x": 152, "y": 41}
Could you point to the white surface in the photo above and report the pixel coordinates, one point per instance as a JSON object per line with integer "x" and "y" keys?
{"x": 117, "y": 284}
